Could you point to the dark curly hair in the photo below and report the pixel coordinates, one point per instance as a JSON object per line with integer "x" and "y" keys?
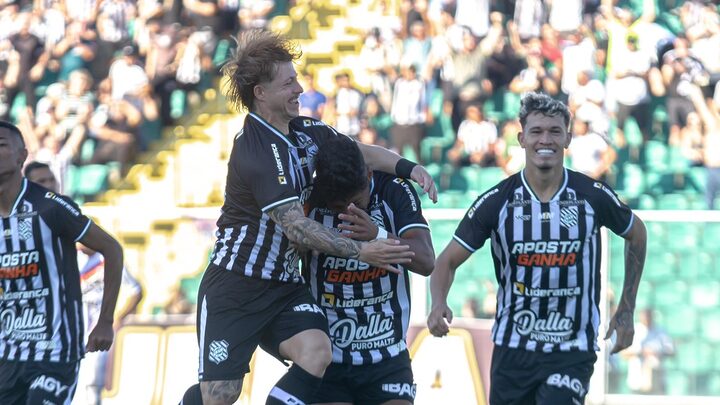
{"x": 543, "y": 104}
{"x": 255, "y": 61}
{"x": 340, "y": 171}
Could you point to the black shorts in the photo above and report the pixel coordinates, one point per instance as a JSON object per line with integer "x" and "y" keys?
{"x": 522, "y": 377}
{"x": 391, "y": 379}
{"x": 29, "y": 382}
{"x": 237, "y": 313}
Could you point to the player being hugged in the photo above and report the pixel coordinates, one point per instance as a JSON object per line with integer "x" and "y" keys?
{"x": 367, "y": 308}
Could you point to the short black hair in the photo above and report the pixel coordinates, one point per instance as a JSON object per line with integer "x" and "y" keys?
{"x": 340, "y": 171}
{"x": 34, "y": 165}
{"x": 14, "y": 130}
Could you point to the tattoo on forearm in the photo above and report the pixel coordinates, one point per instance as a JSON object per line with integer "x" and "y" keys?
{"x": 311, "y": 234}
{"x": 225, "y": 392}
{"x": 634, "y": 261}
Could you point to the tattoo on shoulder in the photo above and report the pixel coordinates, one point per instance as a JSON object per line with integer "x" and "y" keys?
{"x": 308, "y": 233}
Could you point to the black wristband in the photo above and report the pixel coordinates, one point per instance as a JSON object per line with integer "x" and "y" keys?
{"x": 404, "y": 167}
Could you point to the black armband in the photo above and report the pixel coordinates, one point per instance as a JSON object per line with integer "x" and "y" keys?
{"x": 404, "y": 167}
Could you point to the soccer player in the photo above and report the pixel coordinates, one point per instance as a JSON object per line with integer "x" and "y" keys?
{"x": 544, "y": 225}
{"x": 41, "y": 339}
{"x": 252, "y": 292}
{"x": 40, "y": 173}
{"x": 367, "y": 308}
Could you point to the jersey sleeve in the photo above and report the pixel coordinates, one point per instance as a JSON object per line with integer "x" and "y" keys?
{"x": 404, "y": 202}
{"x": 69, "y": 220}
{"x": 611, "y": 212}
{"x": 318, "y": 130}
{"x": 266, "y": 170}
{"x": 479, "y": 221}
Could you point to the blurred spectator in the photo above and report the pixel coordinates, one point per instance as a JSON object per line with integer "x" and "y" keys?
{"x": 312, "y": 102}
{"x": 27, "y": 61}
{"x": 468, "y": 82}
{"x": 113, "y": 22}
{"x": 409, "y": 112}
{"x": 416, "y": 47}
{"x": 474, "y": 14}
{"x": 76, "y": 50}
{"x": 380, "y": 56}
{"x": 528, "y": 17}
{"x": 710, "y": 118}
{"x": 508, "y": 56}
{"x": 679, "y": 71}
{"x": 377, "y": 119}
{"x": 628, "y": 83}
{"x": 651, "y": 345}
{"x": 254, "y": 13}
{"x": 691, "y": 139}
{"x": 509, "y": 155}
{"x": 347, "y": 103}
{"x": 590, "y": 152}
{"x": 127, "y": 76}
{"x": 40, "y": 173}
{"x": 470, "y": 308}
{"x": 475, "y": 143}
{"x": 113, "y": 127}
{"x": 202, "y": 13}
{"x": 565, "y": 15}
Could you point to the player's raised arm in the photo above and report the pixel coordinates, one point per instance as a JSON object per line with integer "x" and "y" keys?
{"x": 622, "y": 321}
{"x": 384, "y": 160}
{"x": 304, "y": 231}
{"x": 440, "y": 282}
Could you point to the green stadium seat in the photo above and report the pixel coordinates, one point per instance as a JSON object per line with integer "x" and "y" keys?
{"x": 511, "y": 105}
{"x": 682, "y": 320}
{"x": 633, "y": 183}
{"x": 656, "y": 235}
{"x": 646, "y": 202}
{"x": 698, "y": 176}
{"x": 673, "y": 202}
{"x": 671, "y": 292}
{"x": 683, "y": 236}
{"x": 710, "y": 326}
{"x": 633, "y": 134}
{"x": 656, "y": 155}
{"x": 680, "y": 385}
{"x": 677, "y": 162}
{"x": 696, "y": 356}
{"x": 659, "y": 265}
{"x": 489, "y": 177}
{"x": 710, "y": 236}
{"x": 705, "y": 294}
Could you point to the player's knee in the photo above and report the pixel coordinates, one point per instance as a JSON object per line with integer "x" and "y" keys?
{"x": 315, "y": 356}
{"x": 220, "y": 392}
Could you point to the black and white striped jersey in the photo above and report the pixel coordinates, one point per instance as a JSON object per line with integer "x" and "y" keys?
{"x": 266, "y": 169}
{"x": 40, "y": 298}
{"x": 547, "y": 259}
{"x": 367, "y": 308}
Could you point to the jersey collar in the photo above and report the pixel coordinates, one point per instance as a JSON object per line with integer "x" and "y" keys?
{"x": 273, "y": 129}
{"x": 557, "y": 193}
{"x": 19, "y": 197}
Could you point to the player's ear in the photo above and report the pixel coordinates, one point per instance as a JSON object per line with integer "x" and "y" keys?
{"x": 259, "y": 92}
{"x": 521, "y": 139}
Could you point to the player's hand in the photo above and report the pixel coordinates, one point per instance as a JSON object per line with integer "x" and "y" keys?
{"x": 439, "y": 320}
{"x": 384, "y": 253}
{"x": 101, "y": 337}
{"x": 360, "y": 227}
{"x": 623, "y": 325}
{"x": 421, "y": 176}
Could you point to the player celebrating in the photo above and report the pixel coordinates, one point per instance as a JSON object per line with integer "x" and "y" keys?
{"x": 41, "y": 334}
{"x": 365, "y": 205}
{"x": 252, "y": 292}
{"x": 544, "y": 225}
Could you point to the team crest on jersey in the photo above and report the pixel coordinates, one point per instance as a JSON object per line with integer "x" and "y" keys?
{"x": 569, "y": 216}
{"x": 218, "y": 351}
{"x": 25, "y": 229}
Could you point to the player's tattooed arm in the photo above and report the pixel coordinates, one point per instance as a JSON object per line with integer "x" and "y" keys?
{"x": 622, "y": 321}
{"x": 635, "y": 249}
{"x": 313, "y": 235}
